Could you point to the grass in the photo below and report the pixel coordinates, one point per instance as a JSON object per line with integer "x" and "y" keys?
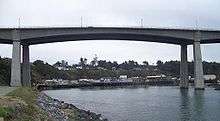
{"x": 24, "y": 108}
{"x": 5, "y": 111}
{"x": 26, "y": 94}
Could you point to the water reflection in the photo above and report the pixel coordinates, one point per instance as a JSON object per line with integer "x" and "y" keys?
{"x": 185, "y": 111}
{"x": 198, "y": 105}
{"x": 191, "y": 108}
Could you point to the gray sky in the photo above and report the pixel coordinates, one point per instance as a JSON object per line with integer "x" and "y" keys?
{"x": 155, "y": 13}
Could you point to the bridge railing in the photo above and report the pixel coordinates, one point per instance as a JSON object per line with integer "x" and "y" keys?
{"x": 113, "y": 26}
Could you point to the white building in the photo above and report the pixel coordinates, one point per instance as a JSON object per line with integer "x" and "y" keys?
{"x": 206, "y": 77}
{"x": 209, "y": 77}
{"x": 156, "y": 77}
{"x": 123, "y": 77}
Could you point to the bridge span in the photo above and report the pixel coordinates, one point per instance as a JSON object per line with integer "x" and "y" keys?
{"x": 33, "y": 36}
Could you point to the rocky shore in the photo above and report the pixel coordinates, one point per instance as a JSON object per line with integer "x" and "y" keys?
{"x": 61, "y": 111}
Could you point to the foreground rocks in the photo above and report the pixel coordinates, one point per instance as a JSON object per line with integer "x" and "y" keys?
{"x": 61, "y": 111}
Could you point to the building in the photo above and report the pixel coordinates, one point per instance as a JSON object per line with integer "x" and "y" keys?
{"x": 51, "y": 82}
{"x": 137, "y": 79}
{"x": 162, "y": 76}
{"x": 123, "y": 77}
{"x": 209, "y": 77}
{"x": 206, "y": 77}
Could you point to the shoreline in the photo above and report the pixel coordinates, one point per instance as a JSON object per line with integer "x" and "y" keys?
{"x": 42, "y": 87}
{"x": 122, "y": 84}
{"x": 61, "y": 111}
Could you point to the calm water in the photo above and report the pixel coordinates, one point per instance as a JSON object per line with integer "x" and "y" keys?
{"x": 146, "y": 103}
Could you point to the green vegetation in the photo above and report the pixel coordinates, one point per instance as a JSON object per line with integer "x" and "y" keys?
{"x": 102, "y": 68}
{"x": 97, "y": 69}
{"x": 26, "y": 94}
{"x": 5, "y": 112}
{"x": 20, "y": 105}
{"x": 5, "y": 71}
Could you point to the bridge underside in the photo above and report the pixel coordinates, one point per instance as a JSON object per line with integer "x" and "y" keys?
{"x": 87, "y": 37}
{"x": 144, "y": 38}
{"x": 81, "y": 37}
{"x": 5, "y": 41}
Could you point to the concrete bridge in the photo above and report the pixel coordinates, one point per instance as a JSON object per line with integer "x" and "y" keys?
{"x": 32, "y": 36}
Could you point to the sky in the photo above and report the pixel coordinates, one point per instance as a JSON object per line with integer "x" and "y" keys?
{"x": 203, "y": 14}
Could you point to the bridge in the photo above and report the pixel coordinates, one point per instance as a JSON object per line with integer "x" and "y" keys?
{"x": 32, "y": 36}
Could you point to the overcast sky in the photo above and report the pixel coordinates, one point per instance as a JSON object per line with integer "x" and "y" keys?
{"x": 155, "y": 13}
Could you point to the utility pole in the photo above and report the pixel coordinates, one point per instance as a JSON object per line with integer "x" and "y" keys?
{"x": 197, "y": 23}
{"x": 81, "y": 21}
{"x": 19, "y": 22}
{"x": 141, "y": 23}
{"x": 19, "y": 26}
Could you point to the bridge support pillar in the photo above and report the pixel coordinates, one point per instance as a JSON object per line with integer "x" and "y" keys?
{"x": 184, "y": 79}
{"x": 26, "y": 69}
{"x": 198, "y": 68}
{"x": 16, "y": 60}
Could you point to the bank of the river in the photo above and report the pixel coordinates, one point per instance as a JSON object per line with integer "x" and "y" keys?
{"x": 26, "y": 104}
{"x": 62, "y": 111}
{"x": 108, "y": 84}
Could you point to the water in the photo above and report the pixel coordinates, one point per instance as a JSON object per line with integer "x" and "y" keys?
{"x": 146, "y": 103}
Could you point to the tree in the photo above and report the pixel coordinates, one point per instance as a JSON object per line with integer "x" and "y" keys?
{"x": 94, "y": 62}
{"x": 159, "y": 63}
{"x": 83, "y": 62}
{"x": 145, "y": 63}
{"x": 5, "y": 71}
{"x": 57, "y": 64}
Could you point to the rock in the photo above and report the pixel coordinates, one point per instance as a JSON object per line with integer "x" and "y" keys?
{"x": 60, "y": 111}
{"x": 99, "y": 115}
{"x": 88, "y": 112}
{"x": 1, "y": 119}
{"x": 71, "y": 106}
{"x": 64, "y": 105}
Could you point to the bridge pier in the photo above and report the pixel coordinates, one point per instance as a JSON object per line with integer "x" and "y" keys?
{"x": 198, "y": 68}
{"x": 26, "y": 69}
{"x": 16, "y": 60}
{"x": 184, "y": 79}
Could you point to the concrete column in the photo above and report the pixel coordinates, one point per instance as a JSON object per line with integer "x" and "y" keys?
{"x": 26, "y": 70}
{"x": 16, "y": 60}
{"x": 184, "y": 79}
{"x": 198, "y": 69}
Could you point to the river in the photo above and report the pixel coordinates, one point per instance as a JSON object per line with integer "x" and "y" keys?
{"x": 151, "y": 103}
